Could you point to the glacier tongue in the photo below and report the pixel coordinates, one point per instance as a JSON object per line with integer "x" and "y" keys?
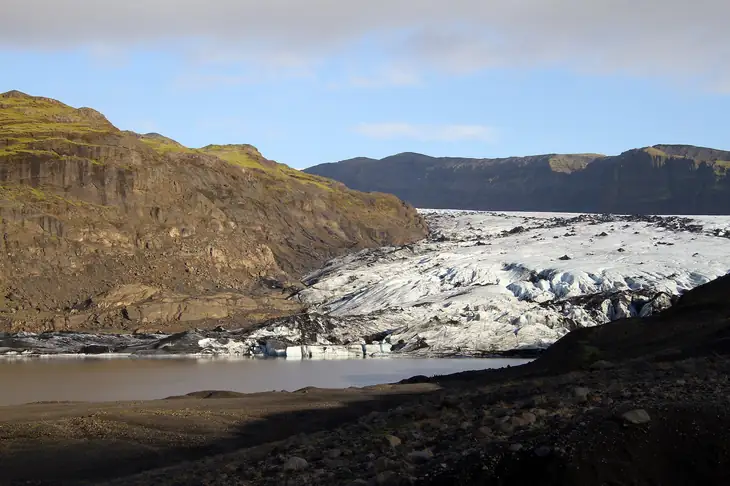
{"x": 482, "y": 283}
{"x": 493, "y": 282}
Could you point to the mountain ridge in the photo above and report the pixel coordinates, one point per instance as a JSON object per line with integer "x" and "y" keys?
{"x": 658, "y": 179}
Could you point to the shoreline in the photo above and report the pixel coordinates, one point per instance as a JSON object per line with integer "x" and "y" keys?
{"x": 290, "y": 352}
{"x": 486, "y": 424}
{"x": 224, "y": 357}
{"x": 92, "y": 380}
{"x": 638, "y": 401}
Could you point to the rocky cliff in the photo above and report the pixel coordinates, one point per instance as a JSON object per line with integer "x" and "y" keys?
{"x": 110, "y": 230}
{"x": 663, "y": 179}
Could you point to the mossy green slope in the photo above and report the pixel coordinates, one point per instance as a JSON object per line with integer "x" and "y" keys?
{"x": 86, "y": 208}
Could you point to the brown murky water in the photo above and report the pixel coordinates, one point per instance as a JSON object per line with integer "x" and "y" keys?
{"x": 105, "y": 379}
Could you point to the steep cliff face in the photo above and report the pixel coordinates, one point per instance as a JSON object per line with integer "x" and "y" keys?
{"x": 664, "y": 179}
{"x": 107, "y": 229}
{"x": 656, "y": 180}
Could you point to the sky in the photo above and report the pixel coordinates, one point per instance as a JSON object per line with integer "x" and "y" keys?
{"x": 313, "y": 81}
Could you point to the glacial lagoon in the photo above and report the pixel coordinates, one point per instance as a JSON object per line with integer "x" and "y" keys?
{"x": 24, "y": 380}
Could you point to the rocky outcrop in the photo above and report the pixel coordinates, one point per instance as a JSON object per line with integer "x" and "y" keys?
{"x": 110, "y": 230}
{"x": 663, "y": 179}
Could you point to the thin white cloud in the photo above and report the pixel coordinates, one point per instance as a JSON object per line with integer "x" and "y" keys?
{"x": 668, "y": 39}
{"x": 427, "y": 133}
{"x": 386, "y": 78}
{"x": 109, "y": 56}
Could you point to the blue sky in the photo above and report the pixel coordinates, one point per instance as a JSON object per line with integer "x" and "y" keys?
{"x": 314, "y": 81}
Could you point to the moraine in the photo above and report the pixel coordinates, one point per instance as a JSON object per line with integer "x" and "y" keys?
{"x": 483, "y": 283}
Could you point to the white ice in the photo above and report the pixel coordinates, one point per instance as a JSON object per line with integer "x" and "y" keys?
{"x": 469, "y": 288}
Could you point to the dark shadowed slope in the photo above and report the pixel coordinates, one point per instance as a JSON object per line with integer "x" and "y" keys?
{"x": 663, "y": 179}
{"x": 637, "y": 401}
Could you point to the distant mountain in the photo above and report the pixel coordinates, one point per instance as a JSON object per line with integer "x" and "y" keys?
{"x": 662, "y": 179}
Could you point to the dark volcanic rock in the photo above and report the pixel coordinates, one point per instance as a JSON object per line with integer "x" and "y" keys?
{"x": 696, "y": 325}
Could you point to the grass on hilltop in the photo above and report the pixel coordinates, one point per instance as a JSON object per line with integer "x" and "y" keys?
{"x": 248, "y": 157}
{"x": 568, "y": 163}
{"x": 30, "y": 124}
{"x": 37, "y": 126}
{"x": 163, "y": 145}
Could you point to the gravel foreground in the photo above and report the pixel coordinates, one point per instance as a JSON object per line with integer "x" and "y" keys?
{"x": 644, "y": 423}
{"x": 635, "y": 402}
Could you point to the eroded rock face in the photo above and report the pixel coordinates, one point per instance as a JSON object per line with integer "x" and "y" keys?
{"x": 104, "y": 229}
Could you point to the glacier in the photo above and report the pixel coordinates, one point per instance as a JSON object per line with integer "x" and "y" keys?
{"x": 486, "y": 282}
{"x": 481, "y": 284}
